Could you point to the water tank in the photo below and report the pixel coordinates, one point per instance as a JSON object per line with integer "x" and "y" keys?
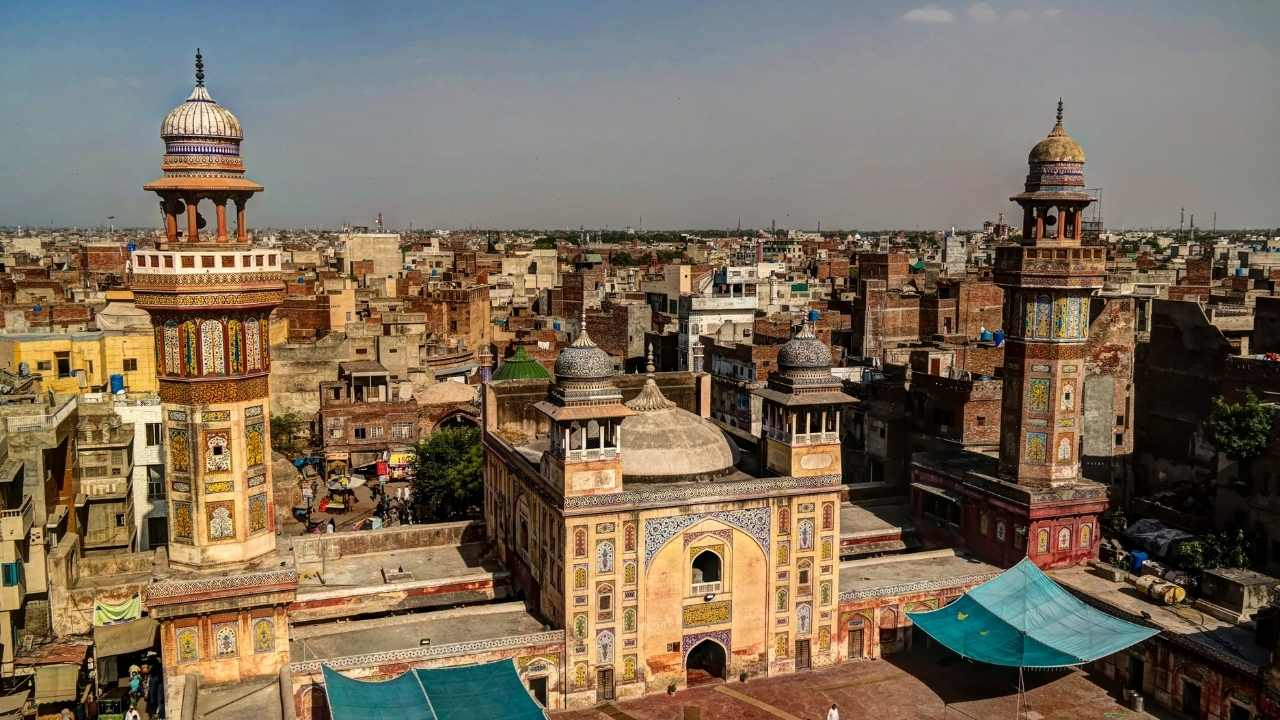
{"x": 985, "y": 336}
{"x": 998, "y": 337}
{"x": 1136, "y": 558}
{"x": 117, "y": 384}
{"x": 814, "y": 315}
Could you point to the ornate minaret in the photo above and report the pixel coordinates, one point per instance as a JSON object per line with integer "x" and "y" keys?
{"x": 1047, "y": 280}
{"x": 210, "y": 295}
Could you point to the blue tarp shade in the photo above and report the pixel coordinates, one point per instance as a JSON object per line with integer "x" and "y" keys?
{"x": 470, "y": 692}
{"x": 1022, "y": 618}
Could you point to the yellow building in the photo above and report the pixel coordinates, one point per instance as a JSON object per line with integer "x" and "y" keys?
{"x": 123, "y": 345}
{"x": 667, "y": 553}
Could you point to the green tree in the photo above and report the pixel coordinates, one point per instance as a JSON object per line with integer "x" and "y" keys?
{"x": 285, "y": 429}
{"x": 1240, "y": 430}
{"x": 447, "y": 482}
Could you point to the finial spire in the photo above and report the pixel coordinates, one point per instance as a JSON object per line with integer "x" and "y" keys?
{"x": 199, "y": 69}
{"x": 648, "y": 366}
{"x": 1059, "y": 112}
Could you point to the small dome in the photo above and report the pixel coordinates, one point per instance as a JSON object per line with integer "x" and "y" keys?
{"x": 1058, "y": 146}
{"x": 583, "y": 360}
{"x": 805, "y": 351}
{"x": 200, "y": 117}
{"x": 663, "y": 442}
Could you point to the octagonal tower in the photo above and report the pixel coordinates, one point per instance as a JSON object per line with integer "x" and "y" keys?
{"x": 210, "y": 296}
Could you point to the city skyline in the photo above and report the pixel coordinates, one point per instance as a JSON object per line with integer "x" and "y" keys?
{"x": 557, "y": 116}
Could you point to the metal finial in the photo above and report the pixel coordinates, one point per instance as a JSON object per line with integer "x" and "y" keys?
{"x": 649, "y": 367}
{"x": 199, "y": 69}
{"x": 1059, "y": 111}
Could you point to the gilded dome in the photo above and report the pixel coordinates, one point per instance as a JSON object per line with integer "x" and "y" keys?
{"x": 200, "y": 117}
{"x": 1058, "y": 146}
{"x": 663, "y": 442}
{"x": 804, "y": 352}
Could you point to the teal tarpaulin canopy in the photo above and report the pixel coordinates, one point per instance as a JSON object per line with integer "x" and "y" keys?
{"x": 1022, "y": 618}
{"x": 489, "y": 690}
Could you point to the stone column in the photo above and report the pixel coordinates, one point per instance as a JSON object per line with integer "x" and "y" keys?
{"x": 242, "y": 232}
{"x": 220, "y": 205}
{"x": 168, "y": 206}
{"x": 193, "y": 231}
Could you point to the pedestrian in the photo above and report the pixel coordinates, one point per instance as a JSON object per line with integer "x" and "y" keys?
{"x": 154, "y": 688}
{"x": 833, "y": 713}
{"x": 132, "y": 714}
{"x": 135, "y": 683}
{"x": 331, "y": 527}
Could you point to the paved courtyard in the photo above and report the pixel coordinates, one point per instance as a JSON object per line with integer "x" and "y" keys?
{"x": 915, "y": 685}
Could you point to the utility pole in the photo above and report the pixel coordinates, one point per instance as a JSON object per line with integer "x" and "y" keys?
{"x": 1181, "y": 218}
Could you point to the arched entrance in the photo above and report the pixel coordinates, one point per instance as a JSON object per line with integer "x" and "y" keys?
{"x": 457, "y": 420}
{"x": 705, "y": 663}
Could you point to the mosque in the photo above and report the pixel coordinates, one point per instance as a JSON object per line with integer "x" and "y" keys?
{"x": 639, "y": 548}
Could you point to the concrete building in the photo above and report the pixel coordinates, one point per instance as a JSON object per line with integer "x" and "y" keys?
{"x": 381, "y": 250}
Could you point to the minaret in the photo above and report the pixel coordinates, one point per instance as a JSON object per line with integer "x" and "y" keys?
{"x": 586, "y": 413}
{"x": 210, "y": 296}
{"x": 1047, "y": 281}
{"x": 802, "y": 404}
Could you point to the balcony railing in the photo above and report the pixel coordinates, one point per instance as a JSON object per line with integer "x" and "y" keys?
{"x": 40, "y": 421}
{"x": 16, "y": 523}
{"x": 705, "y": 588}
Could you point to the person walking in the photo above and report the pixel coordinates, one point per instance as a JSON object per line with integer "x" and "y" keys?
{"x": 833, "y": 713}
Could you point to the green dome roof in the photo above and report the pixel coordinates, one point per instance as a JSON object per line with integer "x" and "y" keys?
{"x": 521, "y": 367}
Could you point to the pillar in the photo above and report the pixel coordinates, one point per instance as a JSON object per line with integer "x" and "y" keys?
{"x": 193, "y": 231}
{"x": 170, "y": 220}
{"x": 242, "y": 232}
{"x": 220, "y": 206}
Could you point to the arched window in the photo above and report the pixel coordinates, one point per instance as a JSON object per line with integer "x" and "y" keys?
{"x": 803, "y": 572}
{"x": 1064, "y": 539}
{"x": 706, "y": 570}
{"x": 252, "y": 345}
{"x": 828, "y": 515}
{"x": 1086, "y": 535}
{"x": 234, "y": 342}
{"x": 604, "y": 598}
{"x": 172, "y": 348}
{"x": 1042, "y": 541}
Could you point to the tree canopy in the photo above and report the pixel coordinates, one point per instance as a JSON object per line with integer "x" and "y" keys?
{"x": 1240, "y": 430}
{"x": 448, "y": 483}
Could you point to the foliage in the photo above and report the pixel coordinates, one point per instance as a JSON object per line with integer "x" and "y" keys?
{"x": 1226, "y": 549}
{"x": 285, "y": 429}
{"x": 545, "y": 243}
{"x": 448, "y": 483}
{"x": 1240, "y": 430}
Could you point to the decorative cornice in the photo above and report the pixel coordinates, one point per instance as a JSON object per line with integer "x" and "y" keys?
{"x": 173, "y": 588}
{"x": 248, "y": 298}
{"x": 917, "y": 586}
{"x": 310, "y": 667}
{"x": 729, "y": 490}
{"x": 207, "y": 392}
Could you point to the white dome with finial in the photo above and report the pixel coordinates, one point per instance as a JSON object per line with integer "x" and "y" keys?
{"x": 200, "y": 117}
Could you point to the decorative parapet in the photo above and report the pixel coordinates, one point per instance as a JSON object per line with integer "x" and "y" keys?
{"x": 965, "y": 581}
{"x": 170, "y": 591}
{"x": 430, "y": 652}
{"x": 704, "y": 492}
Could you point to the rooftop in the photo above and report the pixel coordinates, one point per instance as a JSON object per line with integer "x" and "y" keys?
{"x": 897, "y": 574}
{"x": 859, "y": 521}
{"x": 1185, "y": 625}
{"x": 442, "y": 627}
{"x": 425, "y": 563}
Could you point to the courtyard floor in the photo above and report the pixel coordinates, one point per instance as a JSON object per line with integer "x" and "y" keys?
{"x": 909, "y": 686}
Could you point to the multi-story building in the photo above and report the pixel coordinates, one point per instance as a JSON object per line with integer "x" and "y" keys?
{"x": 737, "y": 370}
{"x": 16, "y": 556}
{"x": 104, "y": 458}
{"x": 91, "y": 361}
{"x": 362, "y": 417}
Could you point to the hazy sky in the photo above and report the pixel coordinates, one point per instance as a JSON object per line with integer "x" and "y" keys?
{"x": 527, "y": 114}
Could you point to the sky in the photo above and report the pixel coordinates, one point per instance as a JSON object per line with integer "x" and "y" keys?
{"x": 667, "y": 114}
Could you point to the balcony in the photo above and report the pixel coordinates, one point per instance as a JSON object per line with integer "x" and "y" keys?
{"x": 705, "y": 588}
{"x": 16, "y": 524}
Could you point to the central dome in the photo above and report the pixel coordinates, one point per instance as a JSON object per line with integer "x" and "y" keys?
{"x": 200, "y": 117}
{"x": 662, "y": 442}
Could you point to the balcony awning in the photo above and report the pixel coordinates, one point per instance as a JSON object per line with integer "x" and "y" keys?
{"x": 1022, "y": 618}
{"x": 125, "y": 637}
{"x": 468, "y": 692}
{"x": 57, "y": 683}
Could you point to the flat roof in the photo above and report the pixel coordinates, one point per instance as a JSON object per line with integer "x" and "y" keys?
{"x": 442, "y": 627}
{"x": 873, "y": 520}
{"x": 892, "y": 574}
{"x": 1212, "y": 636}
{"x": 429, "y": 563}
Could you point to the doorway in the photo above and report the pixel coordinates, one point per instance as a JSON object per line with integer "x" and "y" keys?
{"x": 604, "y": 684}
{"x": 802, "y": 654}
{"x": 538, "y": 686}
{"x": 1137, "y": 668}
{"x": 705, "y": 663}
{"x": 1191, "y": 698}
{"x": 857, "y": 642}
